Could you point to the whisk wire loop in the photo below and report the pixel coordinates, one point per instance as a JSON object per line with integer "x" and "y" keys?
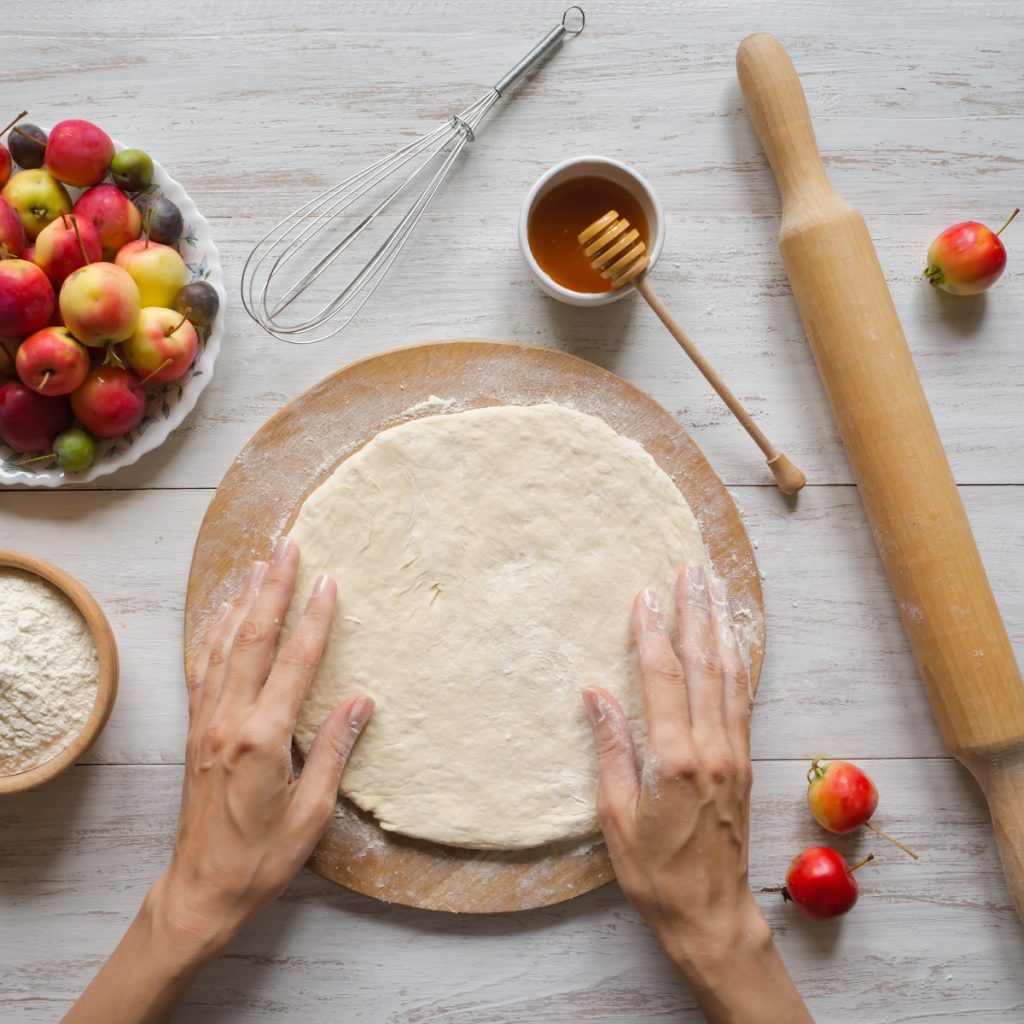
{"x": 303, "y": 247}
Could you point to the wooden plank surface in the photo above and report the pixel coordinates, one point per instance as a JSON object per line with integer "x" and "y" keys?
{"x": 837, "y": 675}
{"x": 253, "y": 104}
{"x": 934, "y": 940}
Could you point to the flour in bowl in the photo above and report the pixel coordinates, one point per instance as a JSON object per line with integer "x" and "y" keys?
{"x": 49, "y": 671}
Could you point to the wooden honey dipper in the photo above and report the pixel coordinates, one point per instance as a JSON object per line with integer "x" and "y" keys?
{"x": 621, "y": 255}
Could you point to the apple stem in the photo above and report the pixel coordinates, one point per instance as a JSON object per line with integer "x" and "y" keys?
{"x": 184, "y": 317}
{"x": 24, "y": 113}
{"x": 148, "y": 376}
{"x": 870, "y": 857}
{"x": 899, "y": 846}
{"x": 31, "y": 138}
{"x": 36, "y": 458}
{"x": 78, "y": 235}
{"x": 43, "y": 382}
{"x": 112, "y": 358}
{"x": 146, "y": 224}
{"x": 816, "y": 772}
{"x": 1009, "y": 221}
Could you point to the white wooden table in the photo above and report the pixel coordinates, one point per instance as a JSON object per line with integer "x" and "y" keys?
{"x": 253, "y": 105}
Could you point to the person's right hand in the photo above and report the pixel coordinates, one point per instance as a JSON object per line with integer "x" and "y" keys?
{"x": 678, "y": 830}
{"x": 246, "y": 826}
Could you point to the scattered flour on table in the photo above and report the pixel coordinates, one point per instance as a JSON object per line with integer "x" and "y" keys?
{"x": 49, "y": 671}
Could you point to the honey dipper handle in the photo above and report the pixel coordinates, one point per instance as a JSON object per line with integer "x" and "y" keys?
{"x": 789, "y": 478}
{"x": 778, "y": 110}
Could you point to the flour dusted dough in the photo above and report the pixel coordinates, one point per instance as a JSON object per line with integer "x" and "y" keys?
{"x": 487, "y": 563}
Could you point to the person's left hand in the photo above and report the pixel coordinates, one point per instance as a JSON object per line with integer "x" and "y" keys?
{"x": 246, "y": 826}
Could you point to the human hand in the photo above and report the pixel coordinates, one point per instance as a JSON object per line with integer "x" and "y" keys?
{"x": 678, "y": 830}
{"x": 246, "y": 826}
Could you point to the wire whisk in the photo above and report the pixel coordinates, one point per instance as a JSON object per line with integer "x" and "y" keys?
{"x": 292, "y": 260}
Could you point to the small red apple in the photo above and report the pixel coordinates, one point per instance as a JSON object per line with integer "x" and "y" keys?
{"x": 967, "y": 258}
{"x": 65, "y": 245}
{"x": 163, "y": 345}
{"x": 821, "y": 883}
{"x": 52, "y": 362}
{"x": 12, "y": 231}
{"x": 115, "y": 216}
{"x": 26, "y": 298}
{"x": 109, "y": 402}
{"x": 842, "y": 798}
{"x": 29, "y": 422}
{"x": 78, "y": 153}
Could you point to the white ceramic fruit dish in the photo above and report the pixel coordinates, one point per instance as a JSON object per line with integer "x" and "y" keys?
{"x": 170, "y": 403}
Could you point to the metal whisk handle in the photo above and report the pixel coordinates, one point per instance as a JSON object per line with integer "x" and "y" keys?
{"x": 573, "y": 20}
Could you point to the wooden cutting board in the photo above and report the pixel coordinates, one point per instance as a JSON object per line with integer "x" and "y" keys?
{"x": 295, "y": 451}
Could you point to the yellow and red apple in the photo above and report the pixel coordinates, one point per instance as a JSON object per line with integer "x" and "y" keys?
{"x": 12, "y": 232}
{"x": 157, "y": 269}
{"x": 60, "y": 249}
{"x": 163, "y": 346}
{"x": 100, "y": 304}
{"x": 39, "y": 199}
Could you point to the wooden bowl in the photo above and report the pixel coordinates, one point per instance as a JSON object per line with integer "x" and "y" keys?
{"x": 106, "y": 650}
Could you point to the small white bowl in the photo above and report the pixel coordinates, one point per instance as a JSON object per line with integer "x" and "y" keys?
{"x": 597, "y": 167}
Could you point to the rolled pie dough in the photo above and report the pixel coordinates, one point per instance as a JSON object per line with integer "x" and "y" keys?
{"x": 487, "y": 562}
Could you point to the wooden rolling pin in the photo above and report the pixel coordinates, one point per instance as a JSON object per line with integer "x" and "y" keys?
{"x": 956, "y": 634}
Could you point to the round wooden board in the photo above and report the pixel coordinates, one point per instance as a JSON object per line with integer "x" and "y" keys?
{"x": 295, "y": 451}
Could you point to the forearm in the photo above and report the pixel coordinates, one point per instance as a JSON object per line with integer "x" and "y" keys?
{"x": 745, "y": 984}
{"x": 150, "y": 971}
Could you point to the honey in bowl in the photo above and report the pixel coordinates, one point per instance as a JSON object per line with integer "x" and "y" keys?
{"x": 561, "y": 214}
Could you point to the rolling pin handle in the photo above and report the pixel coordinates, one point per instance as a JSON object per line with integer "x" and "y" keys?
{"x": 1001, "y": 777}
{"x": 778, "y": 109}
{"x": 790, "y": 478}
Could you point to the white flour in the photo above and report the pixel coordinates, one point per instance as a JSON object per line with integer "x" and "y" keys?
{"x": 49, "y": 672}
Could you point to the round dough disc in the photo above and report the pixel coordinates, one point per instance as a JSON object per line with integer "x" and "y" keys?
{"x": 487, "y": 563}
